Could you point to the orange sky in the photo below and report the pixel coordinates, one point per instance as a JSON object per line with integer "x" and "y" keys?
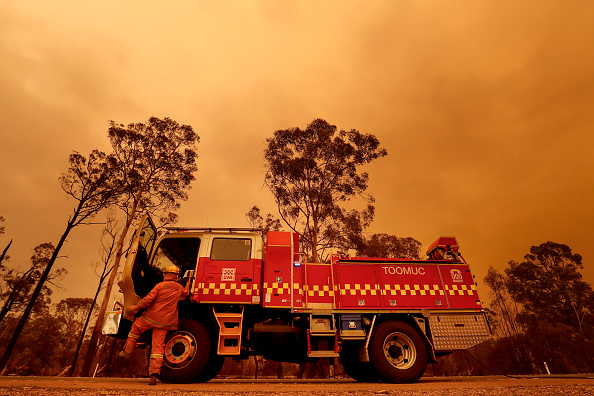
{"x": 485, "y": 108}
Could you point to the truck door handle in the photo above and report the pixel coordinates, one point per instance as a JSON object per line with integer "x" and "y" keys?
{"x": 246, "y": 279}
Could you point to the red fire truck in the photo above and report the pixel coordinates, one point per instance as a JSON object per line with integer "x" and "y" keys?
{"x": 385, "y": 318}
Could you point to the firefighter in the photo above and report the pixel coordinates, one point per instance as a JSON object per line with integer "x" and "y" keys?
{"x": 160, "y": 315}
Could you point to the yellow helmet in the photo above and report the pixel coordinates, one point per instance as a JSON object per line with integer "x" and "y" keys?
{"x": 172, "y": 269}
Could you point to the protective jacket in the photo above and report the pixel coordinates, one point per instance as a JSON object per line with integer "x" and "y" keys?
{"x": 162, "y": 304}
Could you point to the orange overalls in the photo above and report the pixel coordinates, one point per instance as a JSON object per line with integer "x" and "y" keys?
{"x": 161, "y": 316}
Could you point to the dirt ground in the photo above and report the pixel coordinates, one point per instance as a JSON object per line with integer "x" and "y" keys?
{"x": 536, "y": 386}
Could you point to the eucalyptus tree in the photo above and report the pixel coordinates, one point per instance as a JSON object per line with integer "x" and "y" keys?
{"x": 550, "y": 286}
{"x": 255, "y": 220}
{"x": 102, "y": 270}
{"x": 89, "y": 181}
{"x": 17, "y": 292}
{"x": 385, "y": 245}
{"x": 312, "y": 173}
{"x": 155, "y": 166}
{"x": 3, "y": 255}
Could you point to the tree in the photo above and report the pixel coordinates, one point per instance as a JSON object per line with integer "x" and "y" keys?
{"x": 156, "y": 162}
{"x": 549, "y": 285}
{"x": 89, "y": 182}
{"x": 108, "y": 242}
{"x": 3, "y": 256}
{"x": 255, "y": 220}
{"x": 40, "y": 348}
{"x": 543, "y": 311}
{"x": 312, "y": 173}
{"x": 19, "y": 284}
{"x": 384, "y": 245}
{"x": 72, "y": 313}
{"x": 506, "y": 311}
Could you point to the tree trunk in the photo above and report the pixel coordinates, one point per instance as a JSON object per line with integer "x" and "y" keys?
{"x": 4, "y": 251}
{"x": 7, "y": 305}
{"x": 314, "y": 242}
{"x": 97, "y": 329}
{"x": 36, "y": 292}
{"x": 84, "y": 330}
{"x": 114, "y": 270}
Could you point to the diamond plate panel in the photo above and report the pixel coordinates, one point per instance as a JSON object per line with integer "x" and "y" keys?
{"x": 462, "y": 331}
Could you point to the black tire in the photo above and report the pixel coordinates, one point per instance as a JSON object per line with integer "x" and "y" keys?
{"x": 357, "y": 370}
{"x": 187, "y": 352}
{"x": 213, "y": 367}
{"x": 398, "y": 352}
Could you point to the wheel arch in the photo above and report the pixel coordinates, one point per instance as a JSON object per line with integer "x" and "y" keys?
{"x": 200, "y": 313}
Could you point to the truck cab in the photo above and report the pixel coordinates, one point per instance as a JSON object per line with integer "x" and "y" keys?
{"x": 226, "y": 263}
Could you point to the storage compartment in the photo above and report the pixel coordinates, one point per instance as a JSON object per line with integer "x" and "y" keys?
{"x": 351, "y": 322}
{"x": 458, "y": 331}
{"x": 321, "y": 325}
{"x": 351, "y": 327}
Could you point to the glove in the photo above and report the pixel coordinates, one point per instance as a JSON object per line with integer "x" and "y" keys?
{"x": 133, "y": 309}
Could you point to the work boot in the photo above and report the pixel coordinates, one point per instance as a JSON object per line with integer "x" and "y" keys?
{"x": 125, "y": 355}
{"x": 153, "y": 379}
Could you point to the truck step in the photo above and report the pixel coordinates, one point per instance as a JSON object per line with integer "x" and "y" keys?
{"x": 319, "y": 354}
{"x": 230, "y": 326}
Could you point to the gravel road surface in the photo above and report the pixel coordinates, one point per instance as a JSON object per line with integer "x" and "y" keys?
{"x": 535, "y": 386}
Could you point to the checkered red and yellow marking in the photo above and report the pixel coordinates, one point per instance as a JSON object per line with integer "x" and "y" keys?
{"x": 277, "y": 288}
{"x": 359, "y": 289}
{"x": 412, "y": 290}
{"x": 310, "y": 290}
{"x": 461, "y": 290}
{"x": 319, "y": 290}
{"x": 390, "y": 290}
{"x": 229, "y": 289}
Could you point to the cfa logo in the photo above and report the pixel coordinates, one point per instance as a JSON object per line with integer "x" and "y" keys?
{"x": 228, "y": 274}
{"x": 456, "y": 275}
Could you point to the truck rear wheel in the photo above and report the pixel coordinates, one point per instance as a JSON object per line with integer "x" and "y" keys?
{"x": 398, "y": 352}
{"x": 356, "y": 369}
{"x": 187, "y": 352}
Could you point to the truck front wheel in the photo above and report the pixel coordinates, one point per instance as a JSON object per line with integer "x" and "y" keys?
{"x": 398, "y": 352}
{"x": 187, "y": 351}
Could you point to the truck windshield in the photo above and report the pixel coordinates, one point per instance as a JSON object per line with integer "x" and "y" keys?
{"x": 182, "y": 252}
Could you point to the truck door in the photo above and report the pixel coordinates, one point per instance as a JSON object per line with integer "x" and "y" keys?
{"x": 229, "y": 271}
{"x": 137, "y": 277}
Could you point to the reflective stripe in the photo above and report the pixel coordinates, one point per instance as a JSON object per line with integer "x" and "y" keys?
{"x": 159, "y": 324}
{"x": 156, "y": 356}
{"x": 137, "y": 336}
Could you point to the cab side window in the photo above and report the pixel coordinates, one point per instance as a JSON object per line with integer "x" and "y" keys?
{"x": 225, "y": 249}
